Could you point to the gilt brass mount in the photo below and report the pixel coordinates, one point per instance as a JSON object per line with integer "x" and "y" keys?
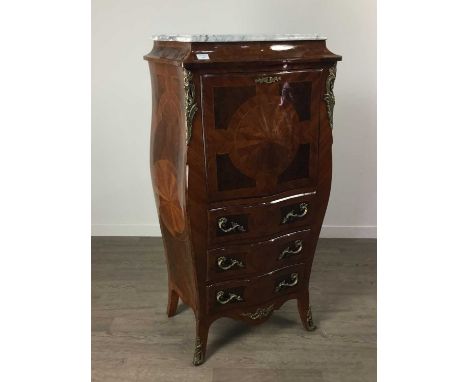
{"x": 291, "y": 251}
{"x": 267, "y": 79}
{"x": 291, "y": 215}
{"x": 190, "y": 105}
{"x": 227, "y": 297}
{"x": 198, "y": 357}
{"x": 225, "y": 263}
{"x": 310, "y": 323}
{"x": 259, "y": 313}
{"x": 234, "y": 226}
{"x": 329, "y": 95}
{"x": 288, "y": 283}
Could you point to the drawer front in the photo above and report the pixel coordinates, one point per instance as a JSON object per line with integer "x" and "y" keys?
{"x": 261, "y": 132}
{"x": 253, "y": 292}
{"x": 231, "y": 224}
{"x": 238, "y": 261}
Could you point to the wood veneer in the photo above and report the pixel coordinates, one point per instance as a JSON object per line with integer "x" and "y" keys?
{"x": 241, "y": 167}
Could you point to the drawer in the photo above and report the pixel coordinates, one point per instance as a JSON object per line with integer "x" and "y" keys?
{"x": 235, "y": 223}
{"x": 238, "y": 261}
{"x": 252, "y": 292}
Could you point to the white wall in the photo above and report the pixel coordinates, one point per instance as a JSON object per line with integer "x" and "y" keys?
{"x": 122, "y": 199}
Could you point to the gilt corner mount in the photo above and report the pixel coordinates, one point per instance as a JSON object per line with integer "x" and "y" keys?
{"x": 329, "y": 95}
{"x": 190, "y": 104}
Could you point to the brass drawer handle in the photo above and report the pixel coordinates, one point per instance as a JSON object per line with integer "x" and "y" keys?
{"x": 293, "y": 215}
{"x": 291, "y": 252}
{"x": 227, "y": 263}
{"x": 293, "y": 280}
{"x": 267, "y": 79}
{"x": 225, "y": 298}
{"x": 222, "y": 224}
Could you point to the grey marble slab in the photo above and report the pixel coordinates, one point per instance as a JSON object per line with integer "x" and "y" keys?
{"x": 236, "y": 37}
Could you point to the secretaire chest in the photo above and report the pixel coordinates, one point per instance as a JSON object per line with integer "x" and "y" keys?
{"x": 241, "y": 142}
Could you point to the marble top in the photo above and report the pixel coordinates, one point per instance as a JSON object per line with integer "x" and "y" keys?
{"x": 236, "y": 37}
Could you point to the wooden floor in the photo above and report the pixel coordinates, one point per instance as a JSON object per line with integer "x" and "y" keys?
{"x": 134, "y": 340}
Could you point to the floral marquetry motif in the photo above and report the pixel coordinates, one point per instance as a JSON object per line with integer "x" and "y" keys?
{"x": 263, "y": 141}
{"x": 170, "y": 209}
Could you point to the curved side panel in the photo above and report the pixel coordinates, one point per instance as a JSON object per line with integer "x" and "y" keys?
{"x": 168, "y": 173}
{"x": 197, "y": 204}
{"x": 325, "y": 165}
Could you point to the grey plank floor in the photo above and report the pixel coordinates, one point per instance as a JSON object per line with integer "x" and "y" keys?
{"x": 134, "y": 340}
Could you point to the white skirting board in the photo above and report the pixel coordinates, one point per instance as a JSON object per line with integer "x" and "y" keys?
{"x": 352, "y": 232}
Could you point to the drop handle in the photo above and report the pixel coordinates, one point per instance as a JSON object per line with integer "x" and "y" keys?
{"x": 288, "y": 283}
{"x": 226, "y": 227}
{"x": 291, "y": 215}
{"x": 226, "y": 297}
{"x": 226, "y": 263}
{"x": 291, "y": 251}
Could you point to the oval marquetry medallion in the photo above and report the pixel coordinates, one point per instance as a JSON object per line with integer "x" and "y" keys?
{"x": 168, "y": 122}
{"x": 170, "y": 210}
{"x": 264, "y": 140}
